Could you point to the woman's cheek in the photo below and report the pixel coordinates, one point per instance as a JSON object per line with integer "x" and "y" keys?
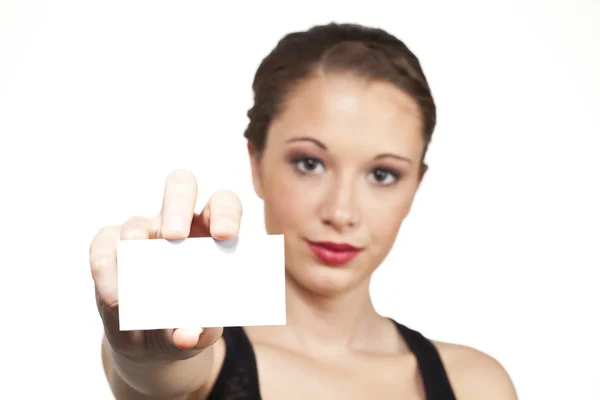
{"x": 287, "y": 204}
{"x": 385, "y": 221}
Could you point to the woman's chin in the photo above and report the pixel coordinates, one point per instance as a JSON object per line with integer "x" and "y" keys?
{"x": 324, "y": 280}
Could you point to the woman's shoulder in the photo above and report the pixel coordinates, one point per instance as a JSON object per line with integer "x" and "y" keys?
{"x": 475, "y": 374}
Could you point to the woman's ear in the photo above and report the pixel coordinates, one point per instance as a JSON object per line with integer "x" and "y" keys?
{"x": 254, "y": 156}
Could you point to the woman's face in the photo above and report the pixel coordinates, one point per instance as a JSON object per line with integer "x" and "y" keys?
{"x": 341, "y": 165}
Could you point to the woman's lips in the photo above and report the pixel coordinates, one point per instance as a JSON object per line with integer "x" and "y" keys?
{"x": 334, "y": 253}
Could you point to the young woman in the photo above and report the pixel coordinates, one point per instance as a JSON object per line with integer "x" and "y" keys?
{"x": 337, "y": 136}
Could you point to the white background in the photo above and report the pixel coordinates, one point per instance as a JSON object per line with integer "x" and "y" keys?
{"x": 100, "y": 100}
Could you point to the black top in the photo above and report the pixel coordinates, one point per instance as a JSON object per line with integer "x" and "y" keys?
{"x": 238, "y": 378}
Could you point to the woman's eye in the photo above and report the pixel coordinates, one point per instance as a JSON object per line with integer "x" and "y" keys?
{"x": 307, "y": 165}
{"x": 384, "y": 176}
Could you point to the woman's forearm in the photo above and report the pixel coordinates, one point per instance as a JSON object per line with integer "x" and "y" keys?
{"x": 141, "y": 380}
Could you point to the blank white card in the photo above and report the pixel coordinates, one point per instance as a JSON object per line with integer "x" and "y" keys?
{"x": 201, "y": 282}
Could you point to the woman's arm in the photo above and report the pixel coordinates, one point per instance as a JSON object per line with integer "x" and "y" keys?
{"x": 145, "y": 380}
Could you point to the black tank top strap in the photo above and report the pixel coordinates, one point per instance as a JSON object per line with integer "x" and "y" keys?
{"x": 433, "y": 373}
{"x": 238, "y": 378}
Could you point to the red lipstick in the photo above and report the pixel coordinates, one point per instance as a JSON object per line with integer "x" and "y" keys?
{"x": 333, "y": 253}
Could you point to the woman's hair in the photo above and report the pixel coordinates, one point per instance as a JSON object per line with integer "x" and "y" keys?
{"x": 366, "y": 52}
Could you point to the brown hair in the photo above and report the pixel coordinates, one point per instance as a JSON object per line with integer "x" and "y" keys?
{"x": 367, "y": 52}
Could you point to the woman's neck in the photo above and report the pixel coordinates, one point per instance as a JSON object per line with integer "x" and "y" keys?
{"x": 332, "y": 323}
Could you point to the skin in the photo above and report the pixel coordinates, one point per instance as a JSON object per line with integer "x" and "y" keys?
{"x": 342, "y": 163}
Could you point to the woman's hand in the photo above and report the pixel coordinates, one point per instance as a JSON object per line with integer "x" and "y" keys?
{"x": 220, "y": 219}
